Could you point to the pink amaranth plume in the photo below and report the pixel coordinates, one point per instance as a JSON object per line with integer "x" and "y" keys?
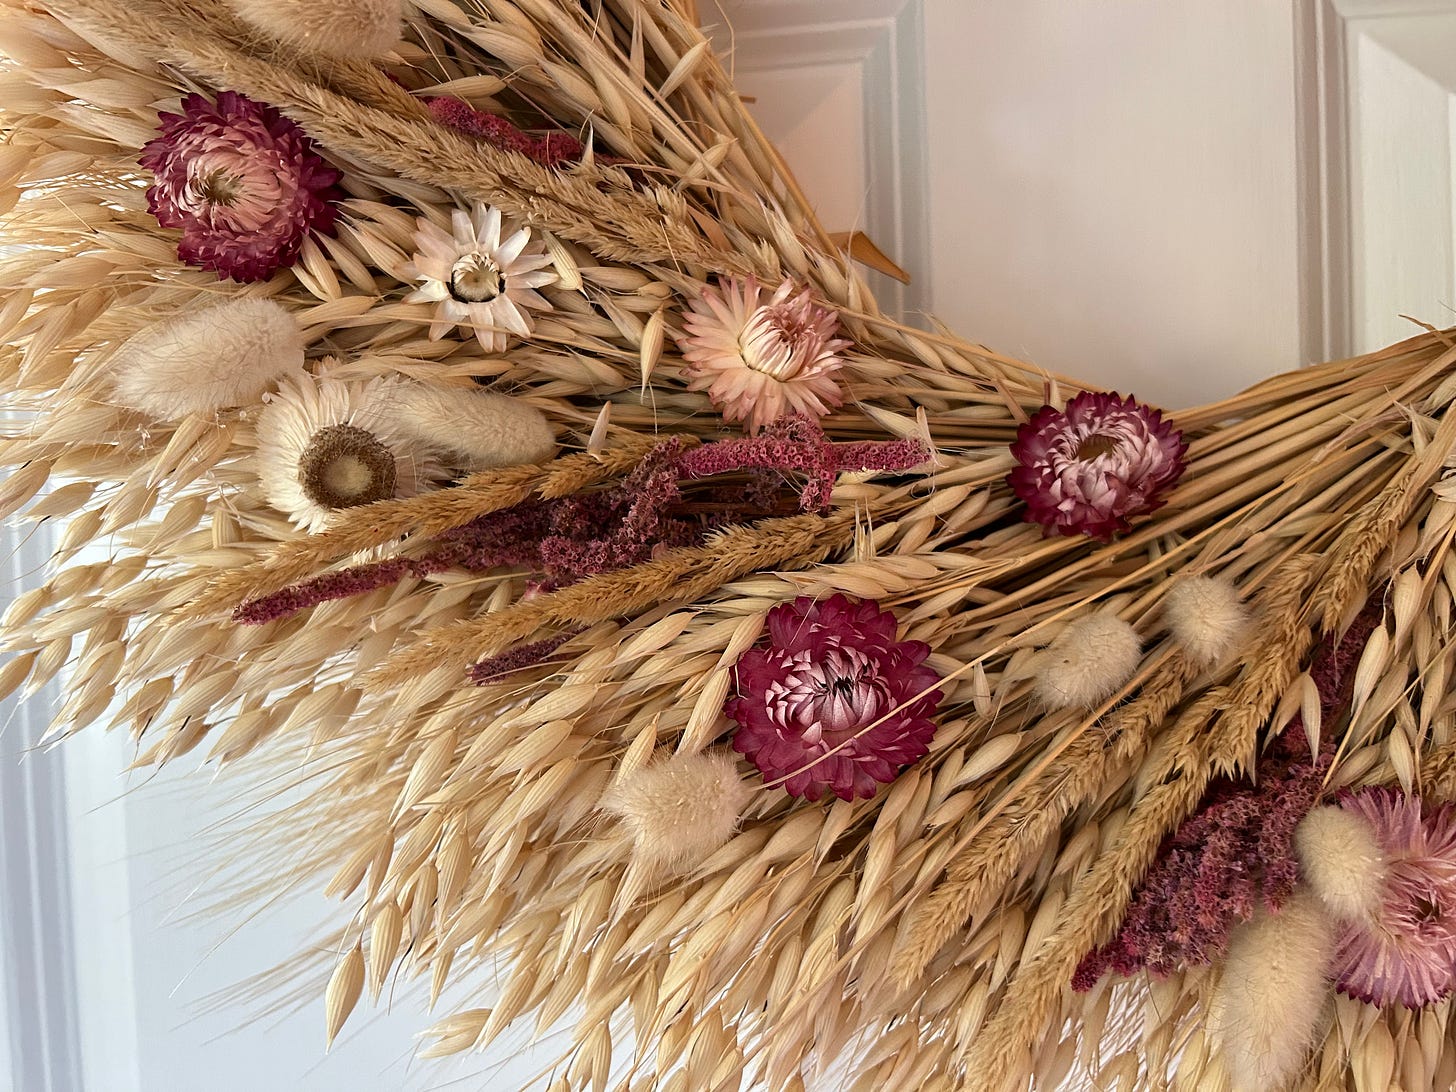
{"x": 549, "y": 149}
{"x": 1407, "y": 954}
{"x": 569, "y": 538}
{"x": 819, "y": 706}
{"x": 242, "y": 182}
{"x": 1237, "y": 850}
{"x": 1085, "y": 470}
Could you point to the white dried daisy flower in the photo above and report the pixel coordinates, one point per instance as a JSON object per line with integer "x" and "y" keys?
{"x": 1266, "y": 1012}
{"x": 1206, "y": 617}
{"x": 480, "y": 429}
{"x": 326, "y": 444}
{"x": 479, "y": 279}
{"x": 217, "y": 358}
{"x": 1089, "y": 661}
{"x": 1341, "y": 860}
{"x": 340, "y": 28}
{"x": 679, "y": 810}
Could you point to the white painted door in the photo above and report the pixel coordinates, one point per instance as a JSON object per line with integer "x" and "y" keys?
{"x": 1170, "y": 198}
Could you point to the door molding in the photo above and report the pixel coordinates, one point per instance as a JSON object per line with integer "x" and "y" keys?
{"x": 884, "y": 40}
{"x": 40, "y": 1033}
{"x": 1377, "y": 225}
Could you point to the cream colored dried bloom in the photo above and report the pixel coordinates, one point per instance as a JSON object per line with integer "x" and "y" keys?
{"x": 326, "y": 444}
{"x": 760, "y": 359}
{"x": 1206, "y": 617}
{"x": 478, "y": 429}
{"x": 1267, "y": 1009}
{"x": 214, "y": 359}
{"x": 1341, "y": 860}
{"x": 340, "y": 28}
{"x": 679, "y": 810}
{"x": 1088, "y": 662}
{"x": 479, "y": 279}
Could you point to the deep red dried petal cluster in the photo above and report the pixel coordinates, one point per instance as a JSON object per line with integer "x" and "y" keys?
{"x": 1407, "y": 955}
{"x": 242, "y": 182}
{"x": 1236, "y": 851}
{"x": 819, "y": 705}
{"x": 1086, "y": 469}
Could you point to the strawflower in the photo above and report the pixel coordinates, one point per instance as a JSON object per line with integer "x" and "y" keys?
{"x": 832, "y": 701}
{"x": 480, "y": 276}
{"x": 1407, "y": 953}
{"x": 758, "y": 358}
{"x": 242, "y": 182}
{"x": 1087, "y": 469}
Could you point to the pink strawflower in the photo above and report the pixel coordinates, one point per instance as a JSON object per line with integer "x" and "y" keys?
{"x": 1085, "y": 470}
{"x": 759, "y": 359}
{"x": 242, "y": 182}
{"x": 1407, "y": 953}
{"x": 819, "y": 707}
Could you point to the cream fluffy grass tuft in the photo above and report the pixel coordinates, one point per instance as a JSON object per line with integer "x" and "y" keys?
{"x": 480, "y": 428}
{"x": 219, "y": 358}
{"x": 679, "y": 810}
{"x": 1206, "y": 617}
{"x": 1268, "y": 1007}
{"x": 1088, "y": 662}
{"x": 341, "y": 28}
{"x": 1341, "y": 860}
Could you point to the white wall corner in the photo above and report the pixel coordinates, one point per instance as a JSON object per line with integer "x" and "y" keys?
{"x": 871, "y": 173}
{"x": 41, "y": 1028}
{"x": 1378, "y": 139}
{"x": 1323, "y": 165}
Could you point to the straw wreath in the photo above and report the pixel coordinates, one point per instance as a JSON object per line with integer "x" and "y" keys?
{"x": 508, "y": 685}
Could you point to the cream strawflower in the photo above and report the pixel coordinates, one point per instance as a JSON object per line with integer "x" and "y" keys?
{"x": 479, "y": 279}
{"x": 759, "y": 360}
{"x": 326, "y": 444}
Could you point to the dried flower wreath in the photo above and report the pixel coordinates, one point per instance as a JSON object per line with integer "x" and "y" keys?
{"x": 477, "y": 422}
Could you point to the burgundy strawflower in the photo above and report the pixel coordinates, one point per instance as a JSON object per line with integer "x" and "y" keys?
{"x": 1407, "y": 953}
{"x": 1086, "y": 469}
{"x": 819, "y": 706}
{"x": 242, "y": 182}
{"x": 1237, "y": 850}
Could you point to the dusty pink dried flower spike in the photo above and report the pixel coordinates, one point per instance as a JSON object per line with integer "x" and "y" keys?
{"x": 820, "y": 706}
{"x": 242, "y": 182}
{"x": 1407, "y": 954}
{"x": 759, "y": 359}
{"x": 1086, "y": 469}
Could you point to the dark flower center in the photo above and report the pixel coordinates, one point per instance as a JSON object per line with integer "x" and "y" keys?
{"x": 1095, "y": 445}
{"x": 476, "y": 279}
{"x": 344, "y": 466}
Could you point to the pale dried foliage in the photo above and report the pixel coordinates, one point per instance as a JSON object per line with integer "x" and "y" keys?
{"x": 929, "y": 933}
